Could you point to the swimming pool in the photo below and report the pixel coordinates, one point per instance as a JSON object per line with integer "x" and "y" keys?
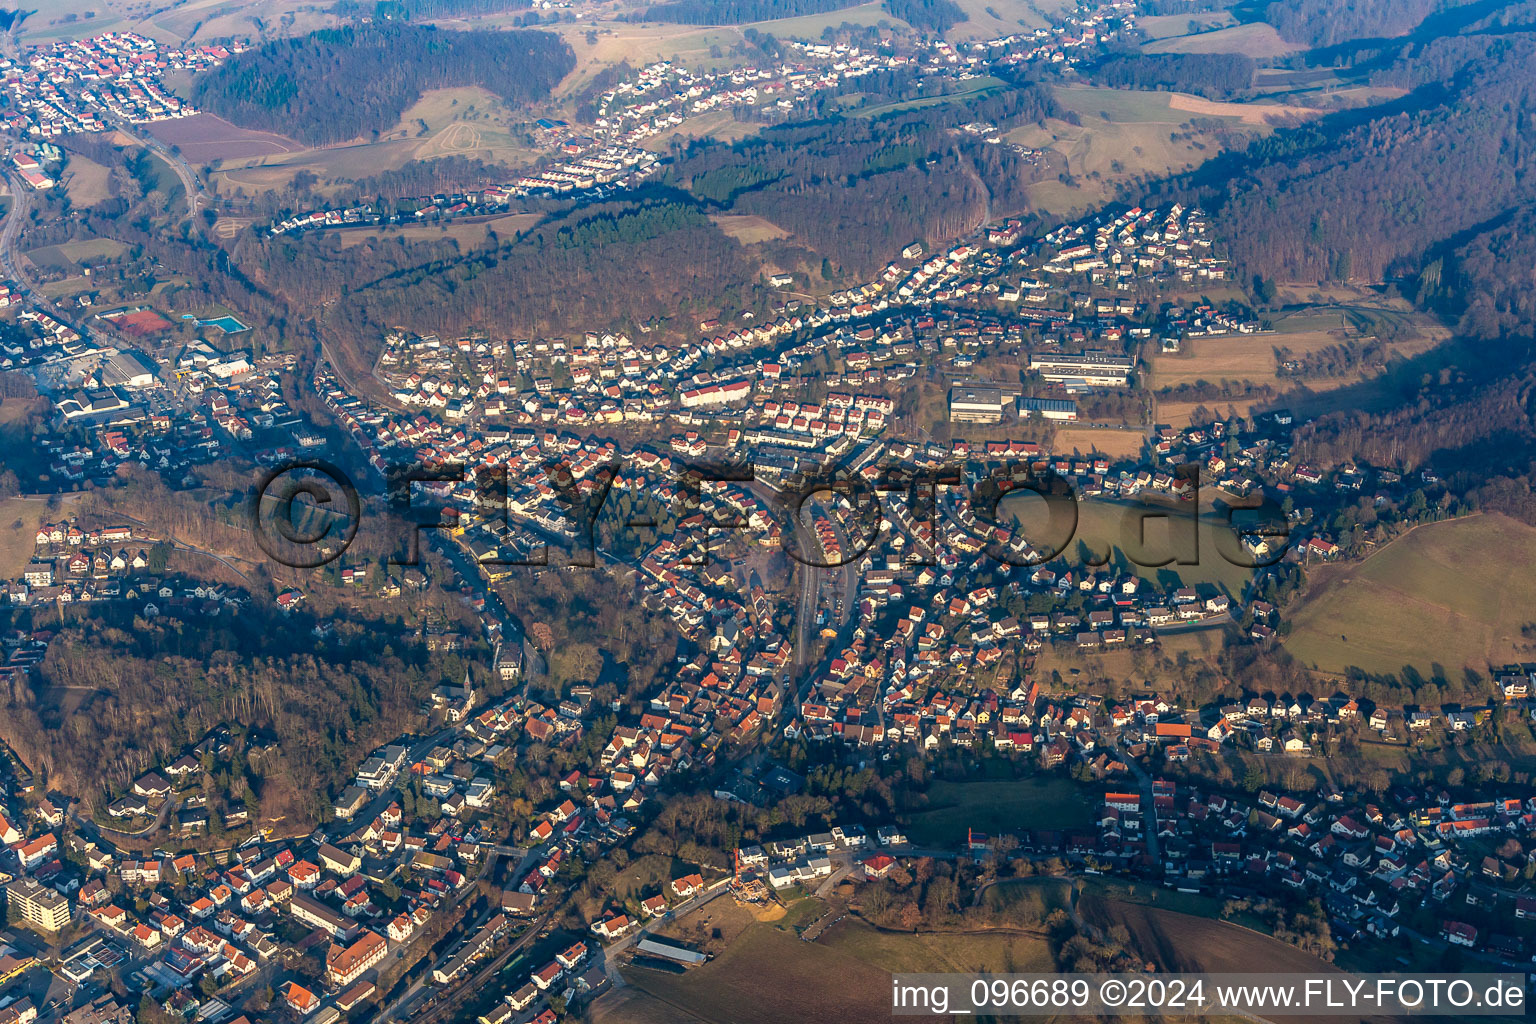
{"x": 227, "y": 324}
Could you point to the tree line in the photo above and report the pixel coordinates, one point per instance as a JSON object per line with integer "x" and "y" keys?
{"x": 1212, "y": 75}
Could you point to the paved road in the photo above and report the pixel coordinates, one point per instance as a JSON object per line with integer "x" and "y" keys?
{"x": 688, "y": 906}
{"x": 21, "y": 208}
{"x": 197, "y": 197}
{"x": 1150, "y": 817}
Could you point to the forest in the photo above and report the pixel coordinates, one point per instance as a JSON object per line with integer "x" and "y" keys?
{"x": 1362, "y": 196}
{"x": 1213, "y": 75}
{"x": 339, "y": 84}
{"x": 1328, "y": 22}
{"x": 157, "y": 685}
{"x": 927, "y": 15}
{"x": 857, "y": 189}
{"x": 664, "y": 256}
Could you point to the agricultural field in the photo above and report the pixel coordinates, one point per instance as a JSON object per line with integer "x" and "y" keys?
{"x": 1176, "y": 941}
{"x": 995, "y": 806}
{"x": 187, "y": 21}
{"x": 1422, "y": 600}
{"x": 948, "y": 952}
{"x": 1256, "y": 40}
{"x": 811, "y": 26}
{"x": 1110, "y": 528}
{"x": 205, "y": 138}
{"x": 69, "y": 19}
{"x": 202, "y": 20}
{"x": 1125, "y": 133}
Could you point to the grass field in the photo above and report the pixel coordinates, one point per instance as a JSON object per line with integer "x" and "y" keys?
{"x": 467, "y": 234}
{"x": 86, "y": 181}
{"x": 768, "y": 975}
{"x": 163, "y": 179}
{"x": 1256, "y": 40}
{"x": 748, "y": 229}
{"x": 1170, "y": 26}
{"x": 996, "y": 806}
{"x": 66, "y": 257}
{"x": 469, "y": 122}
{"x": 1036, "y": 897}
{"x": 1423, "y": 599}
{"x": 1252, "y": 358}
{"x": 989, "y": 19}
{"x": 19, "y": 520}
{"x": 712, "y": 124}
{"x": 974, "y": 87}
{"x": 1125, "y": 133}
{"x": 1111, "y": 528}
{"x": 1117, "y": 444}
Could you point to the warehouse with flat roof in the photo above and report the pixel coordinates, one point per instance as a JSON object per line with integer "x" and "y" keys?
{"x": 976, "y": 405}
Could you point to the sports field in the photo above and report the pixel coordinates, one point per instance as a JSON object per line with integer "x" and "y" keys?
{"x": 1442, "y": 594}
{"x": 67, "y": 257}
